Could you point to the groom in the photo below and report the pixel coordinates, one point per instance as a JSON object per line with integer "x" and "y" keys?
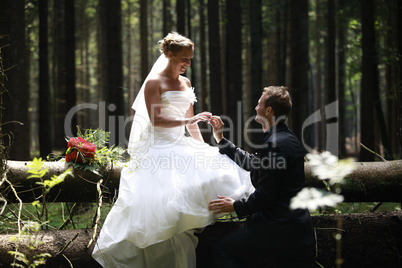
{"x": 277, "y": 173}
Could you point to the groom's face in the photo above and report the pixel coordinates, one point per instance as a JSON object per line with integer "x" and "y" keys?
{"x": 261, "y": 110}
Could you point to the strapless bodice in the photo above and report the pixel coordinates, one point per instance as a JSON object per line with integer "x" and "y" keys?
{"x": 174, "y": 104}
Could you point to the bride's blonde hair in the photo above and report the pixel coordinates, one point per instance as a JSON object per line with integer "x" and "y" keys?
{"x": 174, "y": 42}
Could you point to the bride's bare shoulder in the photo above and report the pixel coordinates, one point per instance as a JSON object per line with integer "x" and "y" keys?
{"x": 186, "y": 80}
{"x": 153, "y": 84}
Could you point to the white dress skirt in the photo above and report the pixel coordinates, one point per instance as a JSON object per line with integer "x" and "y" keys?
{"x": 164, "y": 194}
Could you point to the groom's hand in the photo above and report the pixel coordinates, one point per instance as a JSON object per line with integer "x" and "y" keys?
{"x": 201, "y": 117}
{"x": 217, "y": 125}
{"x": 221, "y": 205}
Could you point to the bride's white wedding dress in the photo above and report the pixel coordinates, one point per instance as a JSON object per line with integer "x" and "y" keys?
{"x": 164, "y": 194}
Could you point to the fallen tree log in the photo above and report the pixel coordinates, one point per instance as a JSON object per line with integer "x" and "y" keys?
{"x": 368, "y": 240}
{"x": 370, "y": 182}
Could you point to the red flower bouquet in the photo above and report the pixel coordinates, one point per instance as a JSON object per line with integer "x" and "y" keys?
{"x": 80, "y": 151}
{"x": 88, "y": 151}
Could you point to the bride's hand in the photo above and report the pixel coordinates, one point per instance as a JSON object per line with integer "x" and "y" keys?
{"x": 217, "y": 125}
{"x": 201, "y": 117}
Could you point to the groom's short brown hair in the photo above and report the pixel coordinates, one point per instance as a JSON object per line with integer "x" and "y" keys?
{"x": 280, "y": 101}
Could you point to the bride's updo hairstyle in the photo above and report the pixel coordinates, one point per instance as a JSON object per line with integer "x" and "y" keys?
{"x": 174, "y": 42}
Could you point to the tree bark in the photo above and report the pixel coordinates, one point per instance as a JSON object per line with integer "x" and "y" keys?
{"x": 181, "y": 16}
{"x": 167, "y": 21}
{"x": 370, "y": 182}
{"x": 3, "y": 146}
{"x": 53, "y": 242}
{"x": 299, "y": 64}
{"x": 330, "y": 52}
{"x": 281, "y": 40}
{"x": 111, "y": 70}
{"x": 342, "y": 28}
{"x": 256, "y": 63}
{"x": 391, "y": 76}
{"x": 318, "y": 95}
{"x": 214, "y": 49}
{"x": 399, "y": 88}
{"x": 369, "y": 80}
{"x": 69, "y": 75}
{"x": 233, "y": 70}
{"x": 203, "y": 60}
{"x": 80, "y": 187}
{"x": 45, "y": 135}
{"x": 15, "y": 101}
{"x": 330, "y": 79}
{"x": 144, "y": 39}
{"x": 59, "y": 76}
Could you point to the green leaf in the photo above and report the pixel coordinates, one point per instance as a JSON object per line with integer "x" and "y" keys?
{"x": 19, "y": 256}
{"x": 56, "y": 179}
{"x": 36, "y": 168}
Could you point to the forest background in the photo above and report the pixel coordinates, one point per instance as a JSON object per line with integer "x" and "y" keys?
{"x": 83, "y": 62}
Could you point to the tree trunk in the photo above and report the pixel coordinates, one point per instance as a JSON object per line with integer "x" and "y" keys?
{"x": 194, "y": 67}
{"x": 53, "y": 242}
{"x": 375, "y": 234}
{"x": 391, "y": 77}
{"x": 81, "y": 186}
{"x": 129, "y": 64}
{"x": 214, "y": 48}
{"x": 330, "y": 52}
{"x": 318, "y": 92}
{"x": 84, "y": 69}
{"x": 181, "y": 16}
{"x": 111, "y": 71}
{"x": 69, "y": 74}
{"x": 330, "y": 79}
{"x": 167, "y": 23}
{"x": 399, "y": 88}
{"x": 45, "y": 135}
{"x": 203, "y": 60}
{"x": 299, "y": 64}
{"x": 256, "y": 65}
{"x": 3, "y": 146}
{"x": 369, "y": 81}
{"x": 233, "y": 70}
{"x": 144, "y": 39}
{"x": 59, "y": 76}
{"x": 370, "y": 182}
{"x": 15, "y": 100}
{"x": 281, "y": 33}
{"x": 342, "y": 27}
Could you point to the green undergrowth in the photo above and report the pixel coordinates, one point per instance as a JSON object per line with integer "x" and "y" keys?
{"x": 84, "y": 212}
{"x": 58, "y": 216}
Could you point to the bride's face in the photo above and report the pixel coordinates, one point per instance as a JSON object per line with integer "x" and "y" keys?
{"x": 181, "y": 60}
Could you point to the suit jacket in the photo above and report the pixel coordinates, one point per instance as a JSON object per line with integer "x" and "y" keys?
{"x": 277, "y": 173}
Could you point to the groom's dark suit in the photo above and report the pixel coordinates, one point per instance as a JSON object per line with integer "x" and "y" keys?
{"x": 277, "y": 173}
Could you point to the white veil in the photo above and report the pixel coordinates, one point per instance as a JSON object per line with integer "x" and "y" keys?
{"x": 141, "y": 126}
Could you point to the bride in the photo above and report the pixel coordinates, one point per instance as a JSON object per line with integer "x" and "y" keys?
{"x": 165, "y": 189}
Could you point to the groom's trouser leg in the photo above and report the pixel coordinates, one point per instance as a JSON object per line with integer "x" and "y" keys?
{"x": 251, "y": 241}
{"x": 293, "y": 257}
{"x": 240, "y": 245}
{"x": 230, "y": 249}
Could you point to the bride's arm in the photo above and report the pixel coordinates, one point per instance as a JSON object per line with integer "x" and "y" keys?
{"x": 153, "y": 103}
{"x": 194, "y": 130}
